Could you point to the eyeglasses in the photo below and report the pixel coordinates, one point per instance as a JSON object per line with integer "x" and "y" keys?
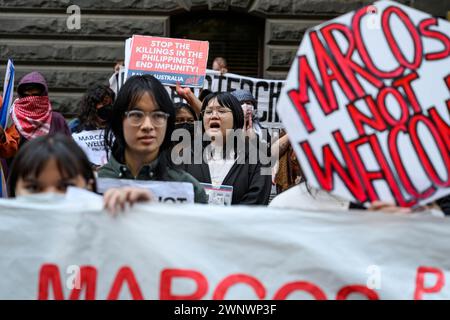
{"x": 220, "y": 111}
{"x": 136, "y": 117}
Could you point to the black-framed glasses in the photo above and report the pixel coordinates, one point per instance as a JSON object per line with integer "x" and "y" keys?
{"x": 136, "y": 117}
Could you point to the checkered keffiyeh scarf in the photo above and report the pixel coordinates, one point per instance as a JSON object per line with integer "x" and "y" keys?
{"x": 32, "y": 116}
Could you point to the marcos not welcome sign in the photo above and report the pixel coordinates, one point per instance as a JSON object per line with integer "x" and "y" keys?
{"x": 366, "y": 104}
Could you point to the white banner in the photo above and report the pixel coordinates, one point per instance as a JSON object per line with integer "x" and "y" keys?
{"x": 163, "y": 191}
{"x": 191, "y": 252}
{"x": 93, "y": 144}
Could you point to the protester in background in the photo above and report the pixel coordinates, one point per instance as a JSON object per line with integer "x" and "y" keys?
{"x": 32, "y": 112}
{"x": 185, "y": 117}
{"x": 225, "y": 166}
{"x": 286, "y": 172}
{"x": 119, "y": 63}
{"x": 9, "y": 140}
{"x": 115, "y": 82}
{"x": 139, "y": 135}
{"x": 252, "y": 125}
{"x": 95, "y": 109}
{"x": 51, "y": 164}
{"x": 220, "y": 64}
{"x": 88, "y": 128}
{"x": 203, "y": 94}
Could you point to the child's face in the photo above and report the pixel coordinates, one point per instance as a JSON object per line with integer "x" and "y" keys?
{"x": 49, "y": 180}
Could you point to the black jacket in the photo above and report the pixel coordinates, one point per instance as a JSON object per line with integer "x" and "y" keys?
{"x": 249, "y": 185}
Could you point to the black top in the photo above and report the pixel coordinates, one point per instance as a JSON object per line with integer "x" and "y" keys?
{"x": 250, "y": 186}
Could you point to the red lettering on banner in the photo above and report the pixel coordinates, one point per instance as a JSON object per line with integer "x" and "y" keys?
{"x": 381, "y": 101}
{"x": 344, "y": 292}
{"x": 299, "y": 97}
{"x": 49, "y": 276}
{"x": 423, "y": 156}
{"x": 359, "y": 119}
{"x": 364, "y": 54}
{"x": 441, "y": 126}
{"x": 331, "y": 165}
{"x": 418, "y": 49}
{"x": 165, "y": 290}
{"x": 385, "y": 172}
{"x": 225, "y": 284}
{"x": 405, "y": 83}
{"x": 436, "y": 35}
{"x": 125, "y": 274}
{"x": 325, "y": 63}
{"x": 344, "y": 60}
{"x": 88, "y": 280}
{"x": 400, "y": 168}
{"x": 305, "y": 286}
{"x": 420, "y": 281}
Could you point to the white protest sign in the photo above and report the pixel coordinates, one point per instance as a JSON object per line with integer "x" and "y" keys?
{"x": 93, "y": 144}
{"x": 163, "y": 191}
{"x": 366, "y": 105}
{"x": 189, "y": 252}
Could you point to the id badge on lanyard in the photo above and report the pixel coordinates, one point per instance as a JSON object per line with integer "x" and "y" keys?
{"x": 218, "y": 195}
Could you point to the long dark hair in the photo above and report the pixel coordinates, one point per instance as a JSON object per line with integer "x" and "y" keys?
{"x": 88, "y": 111}
{"x": 35, "y": 154}
{"x": 131, "y": 92}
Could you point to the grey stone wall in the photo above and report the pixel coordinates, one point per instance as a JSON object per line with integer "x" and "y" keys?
{"x": 35, "y": 34}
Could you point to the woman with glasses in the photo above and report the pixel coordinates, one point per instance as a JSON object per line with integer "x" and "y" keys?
{"x": 227, "y": 167}
{"x": 138, "y": 135}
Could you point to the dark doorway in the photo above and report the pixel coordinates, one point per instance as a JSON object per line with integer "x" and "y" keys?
{"x": 239, "y": 38}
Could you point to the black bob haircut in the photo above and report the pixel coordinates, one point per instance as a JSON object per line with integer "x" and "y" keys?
{"x": 226, "y": 99}
{"x": 35, "y": 154}
{"x": 131, "y": 92}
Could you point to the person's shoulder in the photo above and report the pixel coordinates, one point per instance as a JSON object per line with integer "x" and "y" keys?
{"x": 107, "y": 170}
{"x": 289, "y": 198}
{"x": 58, "y": 123}
{"x": 58, "y": 116}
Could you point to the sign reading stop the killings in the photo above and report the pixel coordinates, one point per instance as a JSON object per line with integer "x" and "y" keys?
{"x": 169, "y": 60}
{"x": 366, "y": 104}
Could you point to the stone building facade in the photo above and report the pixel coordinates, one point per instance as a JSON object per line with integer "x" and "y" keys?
{"x": 260, "y": 36}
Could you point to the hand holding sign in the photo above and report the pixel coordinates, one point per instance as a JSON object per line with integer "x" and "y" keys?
{"x": 116, "y": 199}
